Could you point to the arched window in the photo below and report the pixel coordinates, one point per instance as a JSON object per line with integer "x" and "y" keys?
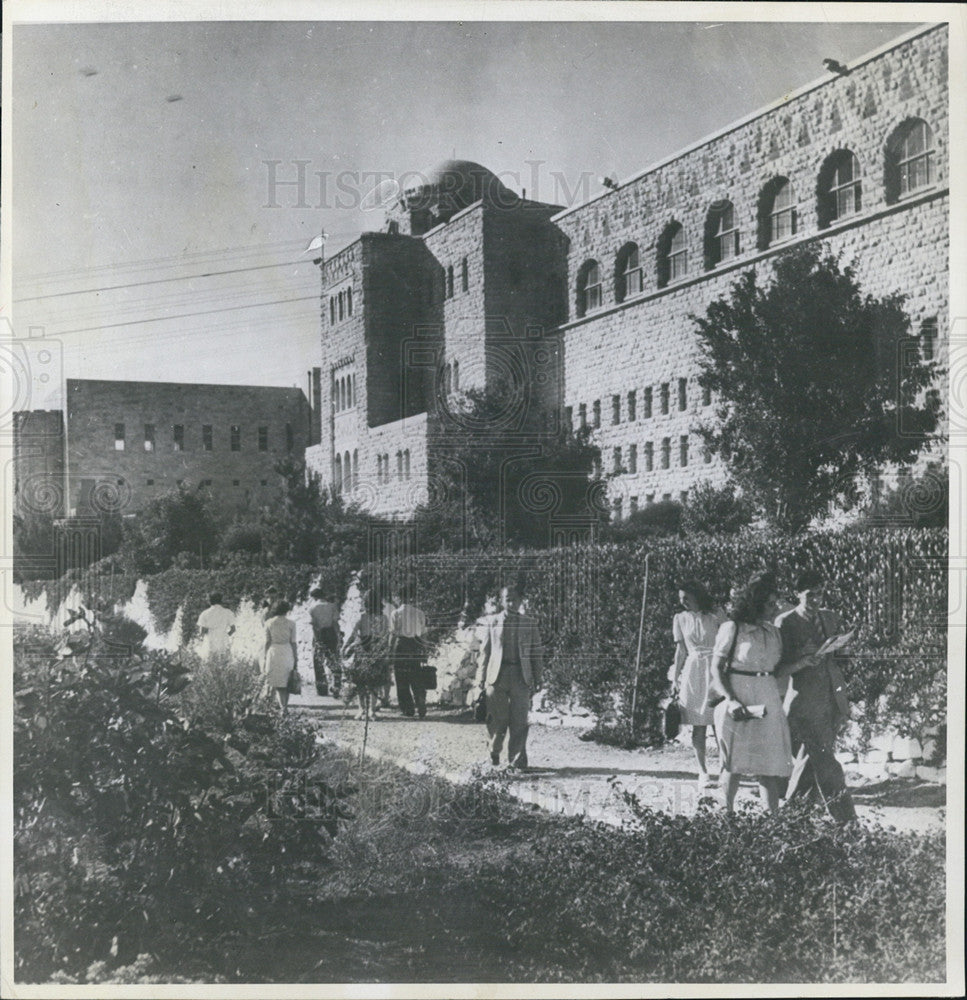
{"x": 672, "y": 254}
{"x": 347, "y": 471}
{"x": 910, "y": 159}
{"x": 349, "y": 302}
{"x": 337, "y": 473}
{"x": 456, "y": 376}
{"x": 840, "y": 188}
{"x": 332, "y": 310}
{"x": 627, "y": 273}
{"x": 355, "y": 466}
{"x": 352, "y": 382}
{"x": 406, "y": 463}
{"x": 450, "y": 282}
{"x": 399, "y": 465}
{"x": 589, "y": 288}
{"x": 777, "y": 216}
{"x": 721, "y": 235}
{"x": 341, "y": 299}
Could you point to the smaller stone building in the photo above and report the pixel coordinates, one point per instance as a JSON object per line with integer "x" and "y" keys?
{"x": 124, "y": 443}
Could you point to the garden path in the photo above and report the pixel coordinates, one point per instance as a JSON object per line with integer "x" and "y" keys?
{"x": 569, "y": 775}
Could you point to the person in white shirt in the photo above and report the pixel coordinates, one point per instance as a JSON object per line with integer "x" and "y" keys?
{"x": 216, "y": 624}
{"x": 407, "y": 628}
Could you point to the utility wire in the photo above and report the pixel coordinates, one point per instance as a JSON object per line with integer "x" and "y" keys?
{"x": 161, "y": 281}
{"x": 162, "y": 319}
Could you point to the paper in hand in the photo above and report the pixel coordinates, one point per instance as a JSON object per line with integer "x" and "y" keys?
{"x": 834, "y": 643}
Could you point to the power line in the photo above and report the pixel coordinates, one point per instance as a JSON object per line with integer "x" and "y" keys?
{"x": 162, "y": 319}
{"x": 161, "y": 281}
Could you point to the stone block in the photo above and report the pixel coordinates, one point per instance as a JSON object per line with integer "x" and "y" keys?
{"x": 929, "y": 749}
{"x": 935, "y": 774}
{"x": 846, "y": 757}
{"x": 866, "y": 772}
{"x": 906, "y": 748}
{"x": 902, "y": 769}
{"x": 875, "y": 757}
{"x": 882, "y": 741}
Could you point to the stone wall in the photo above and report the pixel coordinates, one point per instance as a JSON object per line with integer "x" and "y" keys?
{"x": 103, "y": 477}
{"x": 38, "y": 466}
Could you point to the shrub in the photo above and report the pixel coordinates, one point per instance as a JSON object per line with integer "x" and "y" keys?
{"x": 654, "y": 520}
{"x": 714, "y": 509}
{"x": 223, "y": 690}
{"x": 718, "y": 898}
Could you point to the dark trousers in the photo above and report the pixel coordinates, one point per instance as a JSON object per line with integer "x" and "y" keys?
{"x": 325, "y": 659}
{"x": 407, "y": 661}
{"x": 822, "y": 778}
{"x": 508, "y": 704}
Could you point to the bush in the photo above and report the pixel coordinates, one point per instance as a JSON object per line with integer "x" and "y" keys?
{"x": 715, "y": 510}
{"x": 222, "y": 692}
{"x": 652, "y": 521}
{"x": 136, "y": 829}
{"x": 717, "y": 898}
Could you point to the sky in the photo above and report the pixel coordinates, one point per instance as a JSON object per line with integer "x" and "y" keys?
{"x": 143, "y": 157}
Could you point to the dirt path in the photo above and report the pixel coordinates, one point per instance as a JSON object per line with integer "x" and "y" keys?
{"x": 572, "y": 776}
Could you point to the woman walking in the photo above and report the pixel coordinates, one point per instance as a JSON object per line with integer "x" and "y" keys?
{"x": 750, "y": 725}
{"x": 370, "y": 666}
{"x": 694, "y": 631}
{"x": 281, "y": 655}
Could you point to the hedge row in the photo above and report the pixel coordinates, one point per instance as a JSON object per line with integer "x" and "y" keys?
{"x": 890, "y": 584}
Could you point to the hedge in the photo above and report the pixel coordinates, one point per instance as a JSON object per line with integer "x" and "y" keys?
{"x": 890, "y": 584}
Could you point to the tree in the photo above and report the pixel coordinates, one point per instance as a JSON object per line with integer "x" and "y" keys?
{"x": 308, "y": 524}
{"x": 714, "y": 509}
{"x": 178, "y": 522}
{"x": 497, "y": 482}
{"x": 813, "y": 386}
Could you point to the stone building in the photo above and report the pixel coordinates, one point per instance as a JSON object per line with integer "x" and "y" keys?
{"x": 589, "y": 305}
{"x": 124, "y": 443}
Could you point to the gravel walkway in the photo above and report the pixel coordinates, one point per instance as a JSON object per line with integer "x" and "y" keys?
{"x": 572, "y": 776}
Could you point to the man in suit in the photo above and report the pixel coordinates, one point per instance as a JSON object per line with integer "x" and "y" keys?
{"x": 510, "y": 663}
{"x": 820, "y": 706}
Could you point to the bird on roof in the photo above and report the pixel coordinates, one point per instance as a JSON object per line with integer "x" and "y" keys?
{"x": 836, "y": 67}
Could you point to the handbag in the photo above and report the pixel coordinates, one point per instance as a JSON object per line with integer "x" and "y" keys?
{"x": 480, "y": 708}
{"x": 427, "y": 678}
{"x": 295, "y": 682}
{"x": 673, "y": 719}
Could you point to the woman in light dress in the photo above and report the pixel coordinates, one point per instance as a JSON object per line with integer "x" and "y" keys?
{"x": 281, "y": 655}
{"x": 747, "y": 651}
{"x": 694, "y": 631}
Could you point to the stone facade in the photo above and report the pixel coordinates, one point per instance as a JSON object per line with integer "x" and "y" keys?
{"x": 590, "y": 306}
{"x": 129, "y": 442}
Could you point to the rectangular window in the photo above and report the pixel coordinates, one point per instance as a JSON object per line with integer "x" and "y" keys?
{"x": 633, "y": 506}
{"x": 236, "y": 482}
{"x": 289, "y": 438}
{"x": 178, "y": 437}
{"x": 664, "y": 397}
{"x": 236, "y": 438}
{"x": 632, "y": 458}
{"x": 568, "y": 417}
{"x": 450, "y": 282}
{"x": 682, "y": 393}
{"x": 464, "y": 275}
{"x": 617, "y": 459}
{"x": 264, "y": 482}
{"x": 928, "y": 338}
{"x": 706, "y": 396}
{"x": 665, "y": 497}
{"x": 596, "y": 410}
{"x": 649, "y": 456}
{"x": 119, "y": 437}
{"x": 206, "y": 437}
{"x": 706, "y": 455}
{"x": 616, "y": 409}
{"x": 597, "y": 468}
{"x": 149, "y": 482}
{"x": 649, "y": 498}
{"x": 647, "y": 401}
{"x": 149, "y": 437}
{"x": 618, "y": 514}
{"x": 666, "y": 452}
{"x": 632, "y": 405}
{"x": 683, "y": 450}
{"x": 206, "y": 483}
{"x": 683, "y": 496}
{"x": 583, "y": 415}
{"x": 263, "y": 439}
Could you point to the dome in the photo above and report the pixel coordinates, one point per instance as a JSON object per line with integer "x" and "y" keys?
{"x": 452, "y": 186}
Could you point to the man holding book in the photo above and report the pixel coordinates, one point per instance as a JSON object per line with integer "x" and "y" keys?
{"x": 811, "y": 636}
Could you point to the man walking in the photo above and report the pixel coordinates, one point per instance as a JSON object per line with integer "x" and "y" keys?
{"x": 216, "y": 624}
{"x": 407, "y": 628}
{"x": 324, "y": 615}
{"x": 819, "y": 707}
{"x": 511, "y": 661}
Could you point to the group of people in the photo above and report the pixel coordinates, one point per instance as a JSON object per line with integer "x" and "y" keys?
{"x": 768, "y": 681}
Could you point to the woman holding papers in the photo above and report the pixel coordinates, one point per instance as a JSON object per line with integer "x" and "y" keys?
{"x": 750, "y": 726}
